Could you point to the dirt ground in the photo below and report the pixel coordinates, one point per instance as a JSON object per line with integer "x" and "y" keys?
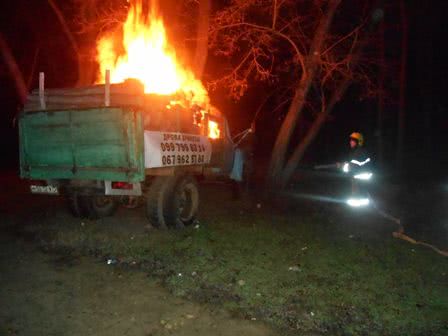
{"x": 51, "y": 294}
{"x": 44, "y": 294}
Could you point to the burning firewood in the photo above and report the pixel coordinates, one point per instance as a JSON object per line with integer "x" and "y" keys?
{"x": 129, "y": 93}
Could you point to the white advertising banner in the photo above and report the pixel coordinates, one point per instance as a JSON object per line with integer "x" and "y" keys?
{"x": 168, "y": 149}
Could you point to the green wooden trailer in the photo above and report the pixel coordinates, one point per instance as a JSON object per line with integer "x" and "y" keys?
{"x": 95, "y": 156}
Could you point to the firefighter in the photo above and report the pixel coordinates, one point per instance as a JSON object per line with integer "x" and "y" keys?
{"x": 359, "y": 168}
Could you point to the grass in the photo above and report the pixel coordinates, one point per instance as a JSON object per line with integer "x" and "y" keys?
{"x": 298, "y": 270}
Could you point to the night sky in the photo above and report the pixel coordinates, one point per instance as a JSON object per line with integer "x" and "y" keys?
{"x": 33, "y": 35}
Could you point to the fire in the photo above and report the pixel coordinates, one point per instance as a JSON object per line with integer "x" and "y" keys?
{"x": 213, "y": 130}
{"x": 147, "y": 56}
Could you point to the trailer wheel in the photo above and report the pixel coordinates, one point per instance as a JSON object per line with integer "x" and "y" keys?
{"x": 157, "y": 198}
{"x": 98, "y": 206}
{"x": 74, "y": 205}
{"x": 184, "y": 202}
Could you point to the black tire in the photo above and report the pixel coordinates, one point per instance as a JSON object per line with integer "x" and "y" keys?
{"x": 183, "y": 204}
{"x": 157, "y": 197}
{"x": 98, "y": 206}
{"x": 74, "y": 205}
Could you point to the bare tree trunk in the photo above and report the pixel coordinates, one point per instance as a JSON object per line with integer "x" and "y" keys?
{"x": 312, "y": 133}
{"x": 402, "y": 99}
{"x": 286, "y": 130}
{"x": 283, "y": 139}
{"x": 13, "y": 68}
{"x": 200, "y": 58}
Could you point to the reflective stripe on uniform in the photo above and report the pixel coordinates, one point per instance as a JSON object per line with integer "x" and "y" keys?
{"x": 360, "y": 163}
{"x": 363, "y": 176}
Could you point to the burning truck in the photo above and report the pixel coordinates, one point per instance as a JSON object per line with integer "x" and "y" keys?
{"x": 147, "y": 132}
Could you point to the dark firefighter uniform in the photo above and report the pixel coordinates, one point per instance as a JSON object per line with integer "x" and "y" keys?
{"x": 359, "y": 167}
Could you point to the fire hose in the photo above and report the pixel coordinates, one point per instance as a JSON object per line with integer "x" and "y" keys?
{"x": 326, "y": 166}
{"x": 399, "y": 234}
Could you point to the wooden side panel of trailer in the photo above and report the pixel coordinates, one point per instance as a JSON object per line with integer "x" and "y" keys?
{"x": 93, "y": 144}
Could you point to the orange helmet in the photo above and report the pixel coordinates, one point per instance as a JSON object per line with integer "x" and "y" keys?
{"x": 358, "y": 137}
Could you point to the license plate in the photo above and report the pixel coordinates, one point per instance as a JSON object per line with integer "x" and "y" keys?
{"x": 50, "y": 190}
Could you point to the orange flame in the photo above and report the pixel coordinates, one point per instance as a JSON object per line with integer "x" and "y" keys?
{"x": 147, "y": 56}
{"x": 213, "y": 130}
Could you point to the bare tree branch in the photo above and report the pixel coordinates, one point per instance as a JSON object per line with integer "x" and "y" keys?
{"x": 354, "y": 31}
{"x": 298, "y": 53}
{"x": 64, "y": 25}
{"x": 274, "y": 14}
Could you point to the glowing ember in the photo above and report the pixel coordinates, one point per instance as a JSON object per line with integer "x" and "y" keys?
{"x": 147, "y": 56}
{"x": 213, "y": 130}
